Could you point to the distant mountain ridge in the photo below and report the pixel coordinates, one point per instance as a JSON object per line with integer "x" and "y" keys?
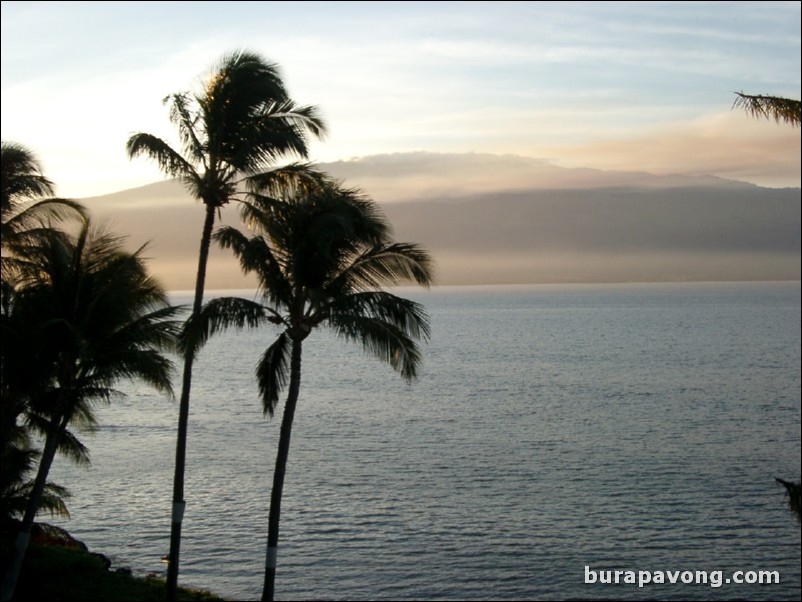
{"x": 508, "y": 219}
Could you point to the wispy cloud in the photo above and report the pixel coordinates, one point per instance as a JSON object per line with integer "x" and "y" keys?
{"x": 731, "y": 145}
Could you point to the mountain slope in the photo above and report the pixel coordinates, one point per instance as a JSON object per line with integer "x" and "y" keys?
{"x": 500, "y": 219}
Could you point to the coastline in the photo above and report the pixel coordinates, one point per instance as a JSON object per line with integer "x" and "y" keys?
{"x": 59, "y": 566}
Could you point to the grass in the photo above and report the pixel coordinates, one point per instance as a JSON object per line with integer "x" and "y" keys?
{"x": 55, "y": 572}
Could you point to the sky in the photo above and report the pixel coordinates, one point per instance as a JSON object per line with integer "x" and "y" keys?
{"x": 644, "y": 86}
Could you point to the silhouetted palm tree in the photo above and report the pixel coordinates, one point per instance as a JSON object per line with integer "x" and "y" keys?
{"x": 239, "y": 124}
{"x": 770, "y": 107}
{"x": 27, "y": 212}
{"x": 84, "y": 316}
{"x": 322, "y": 257}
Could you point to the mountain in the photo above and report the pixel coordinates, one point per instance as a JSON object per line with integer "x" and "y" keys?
{"x": 509, "y": 219}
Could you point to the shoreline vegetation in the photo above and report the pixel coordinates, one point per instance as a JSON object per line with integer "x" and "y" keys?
{"x": 60, "y": 567}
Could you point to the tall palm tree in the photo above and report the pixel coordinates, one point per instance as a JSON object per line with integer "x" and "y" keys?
{"x": 85, "y": 315}
{"x": 239, "y": 124}
{"x": 321, "y": 257}
{"x": 771, "y": 107}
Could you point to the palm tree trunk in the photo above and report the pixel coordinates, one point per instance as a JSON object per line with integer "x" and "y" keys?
{"x": 281, "y": 468}
{"x": 24, "y": 535}
{"x": 183, "y": 416}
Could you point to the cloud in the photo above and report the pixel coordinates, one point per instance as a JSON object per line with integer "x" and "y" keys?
{"x": 587, "y": 84}
{"x": 730, "y": 145}
{"x": 419, "y": 175}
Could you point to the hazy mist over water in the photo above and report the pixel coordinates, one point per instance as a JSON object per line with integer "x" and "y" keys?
{"x": 491, "y": 219}
{"x": 633, "y": 427}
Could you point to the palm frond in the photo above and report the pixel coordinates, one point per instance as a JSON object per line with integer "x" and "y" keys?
{"x": 156, "y": 149}
{"x": 777, "y": 108}
{"x": 256, "y": 255}
{"x": 146, "y": 365}
{"x": 302, "y": 118}
{"x": 408, "y": 316}
{"x": 21, "y": 177}
{"x": 22, "y": 252}
{"x": 217, "y": 315}
{"x": 272, "y": 372}
{"x": 39, "y": 213}
{"x": 156, "y": 329}
{"x": 386, "y": 265}
{"x": 14, "y": 500}
{"x": 382, "y": 340}
{"x": 289, "y": 180}
{"x": 54, "y": 500}
{"x": 793, "y": 492}
{"x": 186, "y": 121}
{"x": 279, "y": 128}
{"x": 69, "y": 444}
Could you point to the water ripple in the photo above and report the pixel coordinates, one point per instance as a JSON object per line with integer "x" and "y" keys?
{"x": 628, "y": 427}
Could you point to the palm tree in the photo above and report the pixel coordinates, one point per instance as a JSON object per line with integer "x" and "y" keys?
{"x": 321, "y": 257}
{"x": 84, "y": 316}
{"x": 239, "y": 124}
{"x": 28, "y": 211}
{"x": 770, "y": 107}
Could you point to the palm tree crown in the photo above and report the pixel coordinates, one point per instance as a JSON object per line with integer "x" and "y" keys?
{"x": 241, "y": 122}
{"x": 321, "y": 257}
{"x": 89, "y": 315}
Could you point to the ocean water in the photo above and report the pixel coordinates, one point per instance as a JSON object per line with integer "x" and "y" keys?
{"x": 553, "y": 428}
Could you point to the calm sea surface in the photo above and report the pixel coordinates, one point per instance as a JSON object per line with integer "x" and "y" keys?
{"x": 629, "y": 427}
